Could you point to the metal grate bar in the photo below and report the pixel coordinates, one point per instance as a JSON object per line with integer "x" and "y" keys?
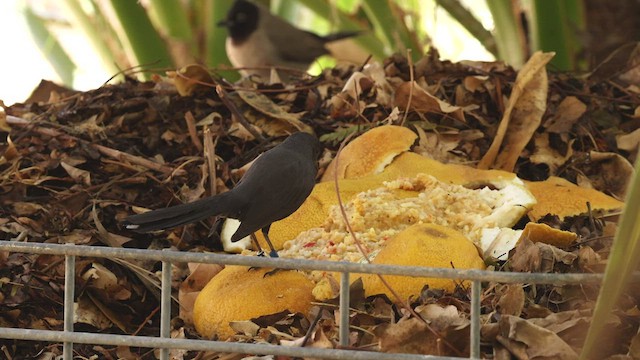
{"x": 300, "y": 264}
{"x": 344, "y": 309}
{"x": 69, "y": 289}
{"x": 165, "y": 342}
{"x": 165, "y": 307}
{"x": 476, "y": 290}
{"x": 207, "y": 345}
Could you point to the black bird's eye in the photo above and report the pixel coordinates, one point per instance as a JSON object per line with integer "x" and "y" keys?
{"x": 241, "y": 17}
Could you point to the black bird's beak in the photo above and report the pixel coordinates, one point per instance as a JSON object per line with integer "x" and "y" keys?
{"x": 224, "y": 23}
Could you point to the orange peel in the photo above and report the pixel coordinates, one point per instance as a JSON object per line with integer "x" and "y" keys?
{"x": 371, "y": 152}
{"x": 237, "y": 293}
{"x": 315, "y": 209}
{"x": 423, "y": 245}
{"x": 408, "y": 164}
{"x": 561, "y": 197}
{"x": 548, "y": 235}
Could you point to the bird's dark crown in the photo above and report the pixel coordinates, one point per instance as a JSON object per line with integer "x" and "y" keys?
{"x": 242, "y": 20}
{"x": 302, "y": 141}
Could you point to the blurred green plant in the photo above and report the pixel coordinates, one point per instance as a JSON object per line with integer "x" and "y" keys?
{"x": 160, "y": 34}
{"x": 623, "y": 261}
{"x": 59, "y": 59}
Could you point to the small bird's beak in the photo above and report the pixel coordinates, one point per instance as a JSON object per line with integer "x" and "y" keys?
{"x": 223, "y": 23}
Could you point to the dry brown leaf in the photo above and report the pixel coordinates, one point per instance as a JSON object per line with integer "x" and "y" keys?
{"x": 526, "y": 257}
{"x": 442, "y": 317}
{"x": 86, "y": 312}
{"x": 589, "y": 259}
{"x": 510, "y": 299}
{"x": 545, "y": 154}
{"x": 564, "y": 321}
{"x": 373, "y": 78}
{"x": 125, "y": 353}
{"x": 114, "y": 316}
{"x": 621, "y": 63}
{"x": 92, "y": 126}
{"x": 422, "y": 101}
{"x": 4, "y": 126}
{"x": 113, "y": 240}
{"x": 439, "y": 146}
{"x": 100, "y": 277}
{"x": 474, "y": 83}
{"x": 566, "y": 115}
{"x": 522, "y": 115}
{"x": 538, "y": 257}
{"x": 246, "y": 327}
{"x": 550, "y": 256}
{"x": 356, "y": 85}
{"x": 175, "y": 354}
{"x": 611, "y": 172}
{"x": 628, "y": 142}
{"x": 318, "y": 340}
{"x": 500, "y": 352}
{"x": 10, "y": 152}
{"x": 190, "y": 195}
{"x": 22, "y": 208}
{"x": 410, "y": 336}
{"x": 191, "y": 78}
{"x": 535, "y": 342}
{"x": 79, "y": 175}
{"x": 285, "y": 123}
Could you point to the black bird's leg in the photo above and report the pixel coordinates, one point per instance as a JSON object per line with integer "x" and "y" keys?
{"x": 273, "y": 253}
{"x": 265, "y": 231}
{"x": 254, "y": 239}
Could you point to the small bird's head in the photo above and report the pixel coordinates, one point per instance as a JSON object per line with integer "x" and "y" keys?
{"x": 304, "y": 142}
{"x": 242, "y": 20}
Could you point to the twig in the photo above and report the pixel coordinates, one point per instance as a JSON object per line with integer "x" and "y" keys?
{"x": 210, "y": 155}
{"x": 142, "y": 324}
{"x": 412, "y": 80}
{"x": 193, "y": 133}
{"x": 234, "y": 110}
{"x": 112, "y": 153}
{"x": 312, "y": 327}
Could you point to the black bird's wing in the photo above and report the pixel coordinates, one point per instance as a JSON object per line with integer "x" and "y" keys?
{"x": 275, "y": 186}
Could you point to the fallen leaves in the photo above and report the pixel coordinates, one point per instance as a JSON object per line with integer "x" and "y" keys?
{"x": 411, "y": 96}
{"x": 528, "y": 341}
{"x": 71, "y": 166}
{"x": 527, "y": 104}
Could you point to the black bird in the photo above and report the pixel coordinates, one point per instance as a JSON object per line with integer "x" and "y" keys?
{"x": 275, "y": 186}
{"x": 259, "y": 40}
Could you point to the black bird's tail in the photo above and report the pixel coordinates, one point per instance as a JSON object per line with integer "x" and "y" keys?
{"x": 222, "y": 204}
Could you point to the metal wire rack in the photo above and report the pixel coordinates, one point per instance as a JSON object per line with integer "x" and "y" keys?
{"x": 164, "y": 342}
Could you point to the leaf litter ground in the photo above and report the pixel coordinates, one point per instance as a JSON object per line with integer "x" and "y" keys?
{"x": 75, "y": 164}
